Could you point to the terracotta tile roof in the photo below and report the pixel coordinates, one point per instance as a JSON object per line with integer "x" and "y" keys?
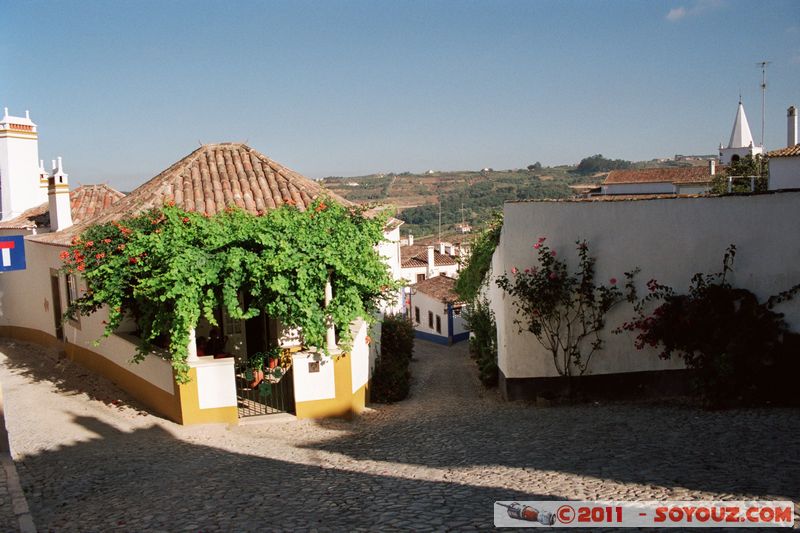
{"x": 210, "y": 179}
{"x": 86, "y": 202}
{"x": 789, "y": 151}
{"x": 698, "y": 174}
{"x": 415, "y": 256}
{"x": 440, "y": 287}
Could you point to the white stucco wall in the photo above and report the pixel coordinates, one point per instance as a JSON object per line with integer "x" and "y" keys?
{"x": 360, "y": 362}
{"x": 427, "y": 303}
{"x": 19, "y": 172}
{"x": 26, "y": 301}
{"x": 784, "y": 173}
{"x": 692, "y": 189}
{"x": 669, "y": 239}
{"x": 310, "y": 386}
{"x": 216, "y": 383}
{"x": 639, "y": 188}
{"x": 410, "y": 274}
{"x": 459, "y": 325}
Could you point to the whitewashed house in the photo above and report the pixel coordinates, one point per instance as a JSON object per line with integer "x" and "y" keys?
{"x": 660, "y": 181}
{"x": 208, "y": 180}
{"x": 784, "y": 164}
{"x": 668, "y": 239}
{"x": 436, "y": 311}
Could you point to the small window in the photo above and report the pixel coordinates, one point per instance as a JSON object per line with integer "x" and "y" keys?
{"x": 416, "y": 314}
{"x": 430, "y": 319}
{"x": 72, "y": 289}
{"x": 457, "y": 311}
{"x": 438, "y": 324}
{"x": 420, "y": 277}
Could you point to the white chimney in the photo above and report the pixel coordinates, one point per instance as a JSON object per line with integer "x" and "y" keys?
{"x": 410, "y": 240}
{"x": 712, "y": 167}
{"x": 431, "y": 265}
{"x": 58, "y": 197}
{"x": 441, "y": 248}
{"x": 791, "y": 139}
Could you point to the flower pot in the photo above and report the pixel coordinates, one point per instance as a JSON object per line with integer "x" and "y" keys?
{"x": 258, "y": 377}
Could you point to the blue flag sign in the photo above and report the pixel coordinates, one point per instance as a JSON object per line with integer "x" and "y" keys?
{"x": 12, "y": 253}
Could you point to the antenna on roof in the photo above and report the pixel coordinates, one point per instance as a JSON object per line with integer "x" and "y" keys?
{"x": 199, "y": 142}
{"x": 763, "y": 65}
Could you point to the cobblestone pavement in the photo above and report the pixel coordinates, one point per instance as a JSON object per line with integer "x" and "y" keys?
{"x": 90, "y": 460}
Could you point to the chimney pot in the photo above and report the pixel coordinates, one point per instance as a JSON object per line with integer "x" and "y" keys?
{"x": 791, "y": 114}
{"x": 431, "y": 271}
{"x": 712, "y": 167}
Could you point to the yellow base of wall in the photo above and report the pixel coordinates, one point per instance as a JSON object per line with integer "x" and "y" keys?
{"x": 153, "y": 397}
{"x": 190, "y": 406}
{"x": 345, "y": 404}
{"x": 181, "y": 407}
{"x": 31, "y": 335}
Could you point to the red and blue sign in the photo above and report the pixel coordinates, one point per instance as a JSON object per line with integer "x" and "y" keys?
{"x": 12, "y": 253}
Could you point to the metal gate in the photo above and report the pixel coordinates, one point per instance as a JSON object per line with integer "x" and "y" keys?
{"x": 277, "y": 398}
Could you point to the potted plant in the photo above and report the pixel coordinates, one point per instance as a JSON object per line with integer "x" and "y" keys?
{"x": 263, "y": 365}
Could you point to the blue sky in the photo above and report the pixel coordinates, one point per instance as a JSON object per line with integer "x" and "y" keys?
{"x": 123, "y": 89}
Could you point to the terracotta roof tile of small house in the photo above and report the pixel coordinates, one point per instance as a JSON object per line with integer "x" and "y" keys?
{"x": 697, "y": 174}
{"x": 416, "y": 256}
{"x": 789, "y": 151}
{"x": 440, "y": 287}
{"x": 211, "y": 179}
{"x": 86, "y": 202}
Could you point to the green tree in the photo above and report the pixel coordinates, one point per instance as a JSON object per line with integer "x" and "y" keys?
{"x": 168, "y": 267}
{"x": 740, "y": 172}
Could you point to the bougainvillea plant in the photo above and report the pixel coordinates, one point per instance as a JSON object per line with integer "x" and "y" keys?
{"x": 739, "y": 349}
{"x": 566, "y": 312}
{"x": 168, "y": 267}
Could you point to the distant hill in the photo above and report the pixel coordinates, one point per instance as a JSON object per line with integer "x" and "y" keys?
{"x": 417, "y": 196}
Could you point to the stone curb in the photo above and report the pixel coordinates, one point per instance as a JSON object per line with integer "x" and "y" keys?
{"x": 18, "y": 502}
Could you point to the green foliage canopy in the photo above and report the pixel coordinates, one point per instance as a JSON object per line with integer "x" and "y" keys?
{"x": 598, "y": 163}
{"x": 472, "y": 275}
{"x": 168, "y": 267}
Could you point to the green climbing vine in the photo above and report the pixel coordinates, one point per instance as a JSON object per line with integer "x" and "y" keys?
{"x": 167, "y": 268}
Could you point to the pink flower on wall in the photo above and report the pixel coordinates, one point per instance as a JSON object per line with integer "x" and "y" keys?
{"x": 613, "y": 281}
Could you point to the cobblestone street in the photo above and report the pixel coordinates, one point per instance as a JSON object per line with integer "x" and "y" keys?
{"x": 90, "y": 460}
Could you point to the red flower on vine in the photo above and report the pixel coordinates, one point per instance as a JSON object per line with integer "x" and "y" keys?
{"x": 553, "y": 253}
{"x": 89, "y": 244}
{"x": 537, "y": 246}
{"x": 64, "y": 255}
{"x": 133, "y": 260}
{"x": 514, "y": 270}
{"x": 81, "y": 267}
{"x": 185, "y": 220}
{"x": 553, "y": 276}
{"x": 107, "y": 241}
{"x": 613, "y": 281}
{"x": 100, "y": 255}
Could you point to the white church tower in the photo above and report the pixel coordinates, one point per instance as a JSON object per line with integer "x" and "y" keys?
{"x": 22, "y": 184}
{"x": 741, "y": 143}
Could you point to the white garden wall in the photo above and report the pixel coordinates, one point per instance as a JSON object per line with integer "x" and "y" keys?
{"x": 669, "y": 239}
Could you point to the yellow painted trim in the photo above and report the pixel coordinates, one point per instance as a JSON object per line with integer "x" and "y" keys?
{"x": 345, "y": 404}
{"x": 31, "y": 335}
{"x": 191, "y": 413}
{"x": 18, "y": 134}
{"x": 152, "y": 396}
